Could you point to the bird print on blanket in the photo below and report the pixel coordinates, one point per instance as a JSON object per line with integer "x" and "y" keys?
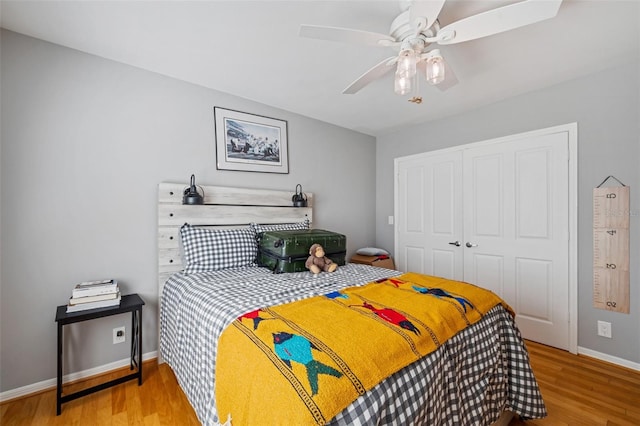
{"x": 396, "y": 283}
{"x": 391, "y": 316}
{"x": 255, "y": 316}
{"x": 336, "y": 295}
{"x": 439, "y": 293}
{"x": 292, "y": 347}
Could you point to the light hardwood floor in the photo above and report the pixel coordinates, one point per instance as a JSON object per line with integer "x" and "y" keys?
{"x": 580, "y": 390}
{"x": 159, "y": 401}
{"x": 577, "y": 390}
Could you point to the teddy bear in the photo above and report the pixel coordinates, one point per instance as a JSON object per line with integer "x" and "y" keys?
{"x": 317, "y": 261}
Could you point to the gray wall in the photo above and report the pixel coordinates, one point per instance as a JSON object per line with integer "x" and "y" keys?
{"x": 606, "y": 107}
{"x": 85, "y": 142}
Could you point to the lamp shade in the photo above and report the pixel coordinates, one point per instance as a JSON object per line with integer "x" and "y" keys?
{"x": 435, "y": 69}
{"x": 191, "y": 194}
{"x": 403, "y": 84}
{"x": 299, "y": 198}
{"x": 407, "y": 63}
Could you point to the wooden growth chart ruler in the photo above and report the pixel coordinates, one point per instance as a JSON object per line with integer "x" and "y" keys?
{"x": 611, "y": 247}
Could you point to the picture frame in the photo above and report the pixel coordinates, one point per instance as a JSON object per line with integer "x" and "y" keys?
{"x": 249, "y": 142}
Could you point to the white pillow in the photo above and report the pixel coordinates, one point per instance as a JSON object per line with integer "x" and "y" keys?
{"x": 372, "y": 251}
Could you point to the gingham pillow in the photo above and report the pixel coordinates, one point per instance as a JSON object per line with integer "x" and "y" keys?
{"x": 212, "y": 250}
{"x": 297, "y": 226}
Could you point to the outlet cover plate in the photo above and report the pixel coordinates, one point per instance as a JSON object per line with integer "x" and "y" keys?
{"x": 604, "y": 329}
{"x": 118, "y": 335}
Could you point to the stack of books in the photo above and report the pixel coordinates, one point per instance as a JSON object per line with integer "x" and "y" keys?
{"x": 93, "y": 295}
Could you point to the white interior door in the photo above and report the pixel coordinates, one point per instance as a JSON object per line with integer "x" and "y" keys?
{"x": 429, "y": 215}
{"x": 507, "y": 203}
{"x": 516, "y": 220}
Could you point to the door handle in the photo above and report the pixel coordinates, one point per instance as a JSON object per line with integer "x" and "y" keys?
{"x": 470, "y": 245}
{"x": 455, "y": 243}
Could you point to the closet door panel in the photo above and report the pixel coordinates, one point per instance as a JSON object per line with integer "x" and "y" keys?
{"x": 486, "y": 178}
{"x": 413, "y": 259}
{"x": 535, "y": 293}
{"x": 488, "y": 271}
{"x": 429, "y": 215}
{"x": 515, "y": 208}
{"x": 533, "y": 203}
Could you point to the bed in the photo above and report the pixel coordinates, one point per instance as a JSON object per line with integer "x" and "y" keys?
{"x": 481, "y": 375}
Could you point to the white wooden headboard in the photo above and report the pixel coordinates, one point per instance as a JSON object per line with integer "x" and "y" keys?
{"x": 224, "y": 207}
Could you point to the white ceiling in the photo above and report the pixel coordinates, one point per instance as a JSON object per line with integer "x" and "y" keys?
{"x": 252, "y": 49}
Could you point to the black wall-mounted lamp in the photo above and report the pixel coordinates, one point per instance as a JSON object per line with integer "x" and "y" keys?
{"x": 191, "y": 194}
{"x": 299, "y": 198}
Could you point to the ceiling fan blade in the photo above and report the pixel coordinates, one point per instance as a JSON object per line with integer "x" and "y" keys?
{"x": 346, "y": 35}
{"x": 425, "y": 9}
{"x": 499, "y": 20}
{"x": 373, "y": 74}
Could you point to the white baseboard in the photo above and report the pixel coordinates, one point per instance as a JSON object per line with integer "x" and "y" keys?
{"x": 609, "y": 358}
{"x": 52, "y": 383}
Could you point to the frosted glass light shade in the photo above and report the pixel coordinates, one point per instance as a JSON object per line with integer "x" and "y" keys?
{"x": 435, "y": 70}
{"x": 407, "y": 63}
{"x": 402, "y": 84}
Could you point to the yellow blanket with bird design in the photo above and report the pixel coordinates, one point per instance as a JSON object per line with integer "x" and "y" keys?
{"x": 303, "y": 362}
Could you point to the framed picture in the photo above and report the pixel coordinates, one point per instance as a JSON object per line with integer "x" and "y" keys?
{"x": 250, "y": 142}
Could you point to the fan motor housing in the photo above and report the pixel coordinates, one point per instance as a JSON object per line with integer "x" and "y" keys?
{"x": 402, "y": 30}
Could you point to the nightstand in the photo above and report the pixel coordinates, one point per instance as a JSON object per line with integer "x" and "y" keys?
{"x": 129, "y": 303}
{"x": 379, "y": 261}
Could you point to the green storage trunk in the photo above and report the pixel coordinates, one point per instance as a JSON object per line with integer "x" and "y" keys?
{"x": 287, "y": 251}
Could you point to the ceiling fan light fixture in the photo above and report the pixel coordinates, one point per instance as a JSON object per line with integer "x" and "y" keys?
{"x": 418, "y": 26}
{"x": 435, "y": 68}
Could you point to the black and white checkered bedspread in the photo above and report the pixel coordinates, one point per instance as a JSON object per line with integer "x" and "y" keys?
{"x": 470, "y": 380}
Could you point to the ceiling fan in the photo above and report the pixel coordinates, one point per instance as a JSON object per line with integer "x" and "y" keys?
{"x": 417, "y": 27}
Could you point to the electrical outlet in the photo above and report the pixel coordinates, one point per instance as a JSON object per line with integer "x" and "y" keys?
{"x": 390, "y": 220}
{"x": 118, "y": 335}
{"x": 604, "y": 329}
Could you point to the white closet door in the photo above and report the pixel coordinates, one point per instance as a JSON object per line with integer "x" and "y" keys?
{"x": 516, "y": 227}
{"x": 429, "y": 215}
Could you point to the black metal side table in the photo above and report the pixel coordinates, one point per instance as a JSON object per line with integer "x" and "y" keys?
{"x": 129, "y": 303}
